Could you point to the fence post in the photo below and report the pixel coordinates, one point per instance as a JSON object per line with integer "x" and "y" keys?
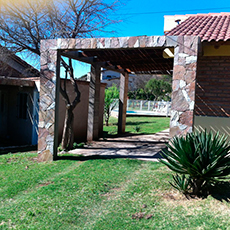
{"x": 140, "y": 105}
{"x": 167, "y": 109}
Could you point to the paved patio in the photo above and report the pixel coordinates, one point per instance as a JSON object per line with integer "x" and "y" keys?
{"x": 143, "y": 147}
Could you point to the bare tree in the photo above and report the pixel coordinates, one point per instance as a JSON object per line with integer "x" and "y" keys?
{"x": 24, "y": 23}
{"x": 67, "y": 137}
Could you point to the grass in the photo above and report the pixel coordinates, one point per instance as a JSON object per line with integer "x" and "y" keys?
{"x": 99, "y": 194}
{"x": 139, "y": 125}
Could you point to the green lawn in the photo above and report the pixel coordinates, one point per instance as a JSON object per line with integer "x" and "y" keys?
{"x": 99, "y": 194}
{"x": 139, "y": 125}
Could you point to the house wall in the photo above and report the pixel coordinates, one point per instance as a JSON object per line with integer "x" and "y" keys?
{"x": 15, "y": 130}
{"x": 221, "y": 124}
{"x": 212, "y": 108}
{"x": 3, "y": 112}
{"x": 213, "y": 86}
{"x": 80, "y": 112}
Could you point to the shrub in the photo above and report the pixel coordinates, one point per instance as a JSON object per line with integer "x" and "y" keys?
{"x": 110, "y": 103}
{"x": 203, "y": 156}
{"x": 78, "y": 145}
{"x": 137, "y": 128}
{"x": 181, "y": 183}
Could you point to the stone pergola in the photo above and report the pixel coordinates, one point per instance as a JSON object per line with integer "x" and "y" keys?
{"x": 143, "y": 54}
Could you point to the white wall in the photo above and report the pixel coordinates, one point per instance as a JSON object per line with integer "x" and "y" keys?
{"x": 170, "y": 21}
{"x": 221, "y": 124}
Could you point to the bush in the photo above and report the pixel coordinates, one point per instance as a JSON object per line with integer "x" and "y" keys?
{"x": 181, "y": 183}
{"x": 203, "y": 156}
{"x": 110, "y": 103}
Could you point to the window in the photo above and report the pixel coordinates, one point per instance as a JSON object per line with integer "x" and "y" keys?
{"x": 22, "y": 105}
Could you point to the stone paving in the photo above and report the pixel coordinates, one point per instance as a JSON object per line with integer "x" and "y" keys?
{"x": 144, "y": 147}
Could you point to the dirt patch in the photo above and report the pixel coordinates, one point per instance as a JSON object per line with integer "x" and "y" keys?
{"x": 11, "y": 160}
{"x": 45, "y": 184}
{"x": 174, "y": 196}
{"x": 140, "y": 215}
{"x": 16, "y": 159}
{"x": 194, "y": 205}
{"x": 33, "y": 159}
{"x": 112, "y": 192}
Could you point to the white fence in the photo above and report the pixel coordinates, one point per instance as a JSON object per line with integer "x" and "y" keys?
{"x": 162, "y": 108}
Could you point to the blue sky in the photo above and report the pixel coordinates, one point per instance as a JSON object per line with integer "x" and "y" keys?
{"x": 146, "y": 17}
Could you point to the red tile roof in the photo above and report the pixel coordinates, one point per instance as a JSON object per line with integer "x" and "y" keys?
{"x": 209, "y": 27}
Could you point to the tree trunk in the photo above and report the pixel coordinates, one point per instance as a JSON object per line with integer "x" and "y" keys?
{"x": 67, "y": 137}
{"x": 106, "y": 122}
{"x": 197, "y": 183}
{"x": 107, "y": 115}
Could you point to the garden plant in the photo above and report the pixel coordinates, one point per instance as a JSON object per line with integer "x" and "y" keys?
{"x": 200, "y": 159}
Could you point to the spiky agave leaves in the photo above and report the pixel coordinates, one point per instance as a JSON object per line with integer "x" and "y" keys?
{"x": 202, "y": 155}
{"x": 181, "y": 183}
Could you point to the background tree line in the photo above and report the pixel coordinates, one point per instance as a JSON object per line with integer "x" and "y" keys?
{"x": 153, "y": 90}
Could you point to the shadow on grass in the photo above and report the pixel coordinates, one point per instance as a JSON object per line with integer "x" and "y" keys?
{"x": 133, "y": 123}
{"x": 126, "y": 134}
{"x": 16, "y": 149}
{"x": 221, "y": 191}
{"x": 105, "y": 157}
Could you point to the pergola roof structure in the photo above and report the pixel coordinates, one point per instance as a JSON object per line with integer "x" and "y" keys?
{"x": 142, "y": 54}
{"x": 137, "y": 61}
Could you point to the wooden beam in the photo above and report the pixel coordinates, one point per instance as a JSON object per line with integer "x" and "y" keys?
{"x": 124, "y": 84}
{"x": 94, "y": 103}
{"x": 76, "y": 55}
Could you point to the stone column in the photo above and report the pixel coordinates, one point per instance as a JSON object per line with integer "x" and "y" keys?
{"x": 124, "y": 83}
{"x": 94, "y": 103}
{"x": 49, "y": 100}
{"x": 183, "y": 87}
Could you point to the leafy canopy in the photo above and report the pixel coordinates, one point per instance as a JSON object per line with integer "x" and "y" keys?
{"x": 159, "y": 88}
{"x": 111, "y": 93}
{"x": 110, "y": 103}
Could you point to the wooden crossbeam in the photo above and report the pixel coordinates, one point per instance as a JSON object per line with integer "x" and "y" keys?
{"x": 76, "y": 55}
{"x": 79, "y": 56}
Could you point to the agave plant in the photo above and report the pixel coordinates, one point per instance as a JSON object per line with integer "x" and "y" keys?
{"x": 204, "y": 156}
{"x": 181, "y": 183}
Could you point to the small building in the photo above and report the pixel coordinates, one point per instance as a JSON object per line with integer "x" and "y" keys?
{"x": 19, "y": 98}
{"x": 19, "y": 106}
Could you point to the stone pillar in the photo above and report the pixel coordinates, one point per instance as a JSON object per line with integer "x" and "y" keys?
{"x": 49, "y": 101}
{"x": 124, "y": 83}
{"x": 183, "y": 87}
{"x": 94, "y": 103}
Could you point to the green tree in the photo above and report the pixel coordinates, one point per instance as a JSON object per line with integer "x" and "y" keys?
{"x": 140, "y": 94}
{"x": 111, "y": 94}
{"x": 159, "y": 88}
